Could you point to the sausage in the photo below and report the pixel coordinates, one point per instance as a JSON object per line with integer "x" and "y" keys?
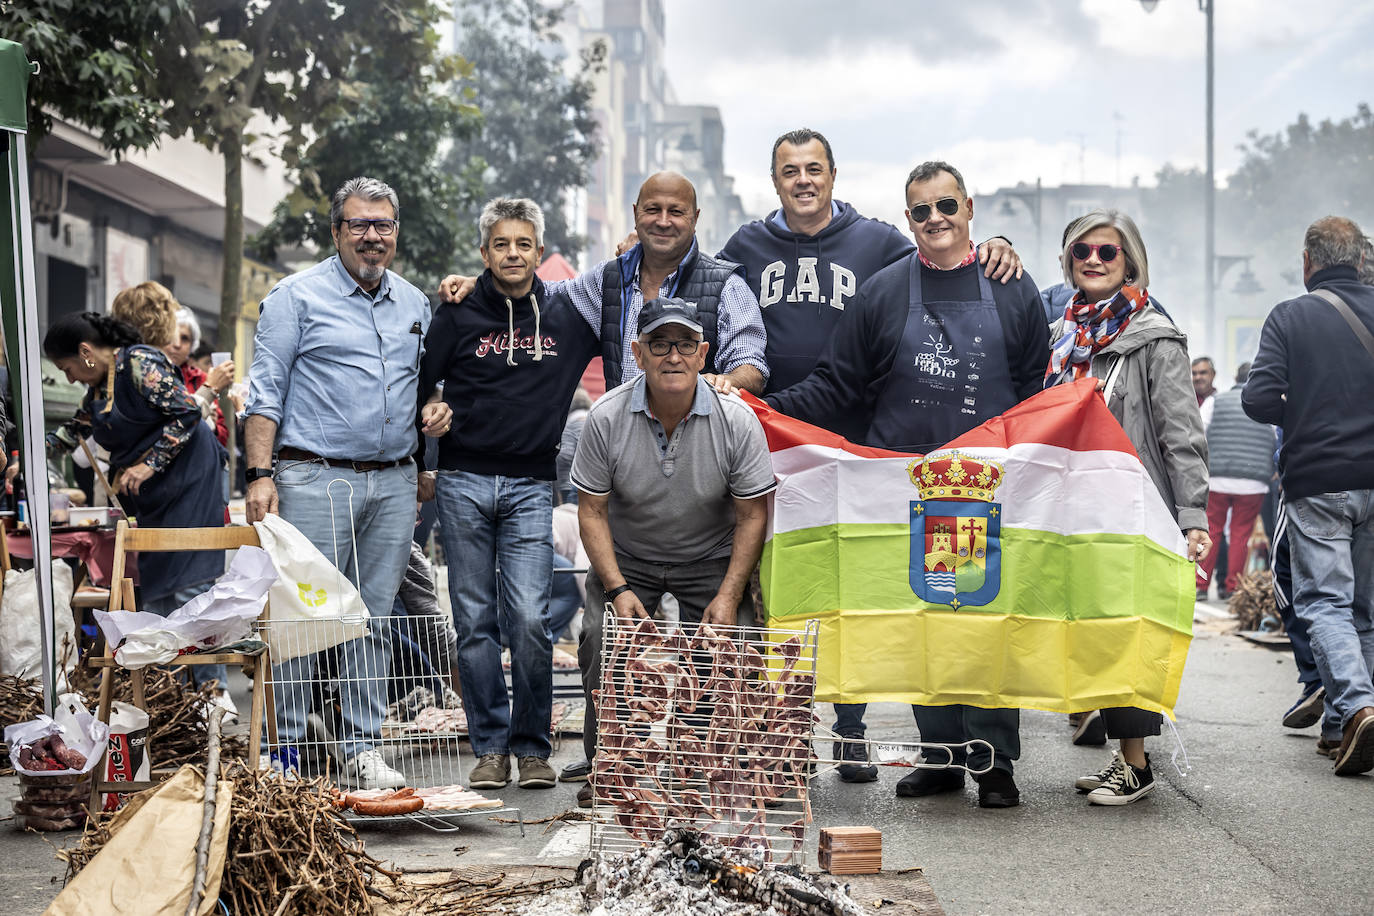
{"x": 72, "y": 759}
{"x": 386, "y": 807}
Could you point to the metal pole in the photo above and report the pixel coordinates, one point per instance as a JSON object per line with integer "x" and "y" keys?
{"x": 1209, "y": 310}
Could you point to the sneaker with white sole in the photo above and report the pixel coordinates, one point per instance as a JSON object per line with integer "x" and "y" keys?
{"x": 535, "y": 773}
{"x": 1308, "y": 710}
{"x": 1128, "y": 785}
{"x": 1088, "y": 783}
{"x": 492, "y": 772}
{"x": 369, "y": 770}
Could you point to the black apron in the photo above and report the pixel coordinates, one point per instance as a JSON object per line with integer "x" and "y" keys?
{"x": 949, "y": 375}
{"x": 188, "y": 493}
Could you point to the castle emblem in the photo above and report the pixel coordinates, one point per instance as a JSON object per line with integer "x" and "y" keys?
{"x": 956, "y": 528}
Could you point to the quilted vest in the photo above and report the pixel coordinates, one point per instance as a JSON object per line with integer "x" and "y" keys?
{"x": 700, "y": 280}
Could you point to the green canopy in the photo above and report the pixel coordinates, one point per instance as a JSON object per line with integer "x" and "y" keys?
{"x": 19, "y": 310}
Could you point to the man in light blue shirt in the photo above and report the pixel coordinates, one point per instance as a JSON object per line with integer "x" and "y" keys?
{"x": 334, "y": 386}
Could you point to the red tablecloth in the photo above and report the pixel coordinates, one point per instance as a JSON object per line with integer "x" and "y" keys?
{"x": 94, "y": 549}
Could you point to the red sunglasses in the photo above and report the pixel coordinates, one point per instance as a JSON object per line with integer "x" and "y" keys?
{"x": 1081, "y": 251}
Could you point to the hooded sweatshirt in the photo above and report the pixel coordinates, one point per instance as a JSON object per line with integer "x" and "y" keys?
{"x": 804, "y": 282}
{"x": 509, "y": 369}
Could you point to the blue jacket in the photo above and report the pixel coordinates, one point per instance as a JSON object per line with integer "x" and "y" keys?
{"x": 804, "y": 282}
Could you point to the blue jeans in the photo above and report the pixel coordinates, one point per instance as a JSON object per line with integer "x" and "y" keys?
{"x": 564, "y": 597}
{"x": 1331, "y": 537}
{"x": 498, "y": 538}
{"x": 382, "y": 512}
{"x": 164, "y": 606}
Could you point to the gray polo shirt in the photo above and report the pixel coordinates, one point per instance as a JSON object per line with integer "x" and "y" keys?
{"x": 671, "y": 500}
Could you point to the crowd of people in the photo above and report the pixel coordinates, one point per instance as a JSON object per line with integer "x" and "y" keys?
{"x": 831, "y": 317}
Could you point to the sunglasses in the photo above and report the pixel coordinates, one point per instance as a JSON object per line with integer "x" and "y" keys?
{"x": 946, "y": 205}
{"x": 1081, "y": 251}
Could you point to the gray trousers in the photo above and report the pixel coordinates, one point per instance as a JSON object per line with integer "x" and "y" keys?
{"x": 956, "y": 724}
{"x": 692, "y": 584}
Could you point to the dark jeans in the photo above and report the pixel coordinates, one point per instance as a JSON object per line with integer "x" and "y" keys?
{"x": 958, "y": 723}
{"x": 693, "y": 584}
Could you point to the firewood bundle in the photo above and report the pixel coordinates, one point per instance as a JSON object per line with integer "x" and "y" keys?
{"x": 1253, "y": 601}
{"x": 851, "y": 850}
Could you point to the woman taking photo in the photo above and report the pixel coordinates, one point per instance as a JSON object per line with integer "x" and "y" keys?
{"x": 1110, "y": 331}
{"x": 165, "y": 463}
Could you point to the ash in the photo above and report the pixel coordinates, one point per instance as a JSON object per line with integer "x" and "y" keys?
{"x": 689, "y": 873}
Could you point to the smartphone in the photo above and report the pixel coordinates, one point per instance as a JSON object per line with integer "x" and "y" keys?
{"x": 217, "y": 358}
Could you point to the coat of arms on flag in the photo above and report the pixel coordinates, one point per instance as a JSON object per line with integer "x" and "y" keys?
{"x": 956, "y": 555}
{"x": 1036, "y": 566}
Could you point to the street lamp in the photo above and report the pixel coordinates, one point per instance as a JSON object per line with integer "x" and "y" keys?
{"x": 1210, "y": 232}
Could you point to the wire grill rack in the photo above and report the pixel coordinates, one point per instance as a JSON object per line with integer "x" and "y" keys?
{"x": 706, "y": 726}
{"x": 379, "y": 690}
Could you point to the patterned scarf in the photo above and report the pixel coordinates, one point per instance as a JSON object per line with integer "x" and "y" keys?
{"x": 1088, "y": 327}
{"x": 972, "y": 255}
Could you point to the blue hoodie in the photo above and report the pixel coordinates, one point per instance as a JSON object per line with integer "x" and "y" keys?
{"x": 803, "y": 282}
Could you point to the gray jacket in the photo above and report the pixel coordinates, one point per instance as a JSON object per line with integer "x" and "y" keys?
{"x": 1153, "y": 400}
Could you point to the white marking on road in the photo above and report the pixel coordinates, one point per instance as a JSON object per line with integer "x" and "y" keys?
{"x": 570, "y": 840}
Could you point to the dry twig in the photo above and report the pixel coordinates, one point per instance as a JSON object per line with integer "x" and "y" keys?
{"x": 1253, "y": 600}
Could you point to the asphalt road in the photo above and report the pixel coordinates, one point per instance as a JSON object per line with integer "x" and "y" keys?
{"x": 1256, "y": 824}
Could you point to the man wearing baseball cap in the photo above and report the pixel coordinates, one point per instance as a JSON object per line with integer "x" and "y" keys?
{"x": 671, "y": 480}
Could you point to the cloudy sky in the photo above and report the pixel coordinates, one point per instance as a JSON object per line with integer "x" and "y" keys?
{"x": 1009, "y": 90}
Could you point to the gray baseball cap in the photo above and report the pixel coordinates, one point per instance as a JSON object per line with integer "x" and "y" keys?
{"x": 667, "y": 310}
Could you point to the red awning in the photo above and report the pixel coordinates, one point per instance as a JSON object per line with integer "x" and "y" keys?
{"x": 555, "y": 267}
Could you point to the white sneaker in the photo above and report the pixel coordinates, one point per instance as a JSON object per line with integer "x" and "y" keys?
{"x": 370, "y": 770}
{"x": 222, "y": 699}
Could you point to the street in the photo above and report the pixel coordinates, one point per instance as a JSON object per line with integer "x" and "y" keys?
{"x": 1258, "y": 824}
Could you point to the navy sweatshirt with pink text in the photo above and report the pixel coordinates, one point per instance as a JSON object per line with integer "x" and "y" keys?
{"x": 509, "y": 371}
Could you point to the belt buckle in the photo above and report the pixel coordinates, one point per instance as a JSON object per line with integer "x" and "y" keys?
{"x": 356, "y": 465}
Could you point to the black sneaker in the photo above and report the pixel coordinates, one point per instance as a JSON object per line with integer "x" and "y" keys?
{"x": 1308, "y": 710}
{"x": 1095, "y": 781}
{"x": 576, "y": 772}
{"x": 996, "y": 789}
{"x": 920, "y": 783}
{"x": 856, "y": 768}
{"x": 1127, "y": 785}
{"x": 1091, "y": 731}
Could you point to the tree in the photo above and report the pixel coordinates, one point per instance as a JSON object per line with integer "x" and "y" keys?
{"x": 95, "y": 65}
{"x": 406, "y": 111}
{"x": 227, "y": 66}
{"x": 538, "y": 137}
{"x": 1291, "y": 178}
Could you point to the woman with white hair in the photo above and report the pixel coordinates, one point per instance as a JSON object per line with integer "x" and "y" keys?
{"x": 206, "y": 386}
{"x": 1111, "y": 331}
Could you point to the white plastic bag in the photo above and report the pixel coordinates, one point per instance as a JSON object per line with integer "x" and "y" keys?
{"x": 222, "y": 614}
{"x": 21, "y": 631}
{"x": 79, "y": 730}
{"x": 313, "y": 605}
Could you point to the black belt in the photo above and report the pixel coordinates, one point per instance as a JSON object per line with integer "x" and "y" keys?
{"x": 288, "y": 453}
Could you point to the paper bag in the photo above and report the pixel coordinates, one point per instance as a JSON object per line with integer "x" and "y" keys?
{"x": 149, "y": 863}
{"x": 313, "y": 605}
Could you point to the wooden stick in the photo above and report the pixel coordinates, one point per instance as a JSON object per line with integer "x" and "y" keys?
{"x": 104, "y": 481}
{"x": 207, "y": 819}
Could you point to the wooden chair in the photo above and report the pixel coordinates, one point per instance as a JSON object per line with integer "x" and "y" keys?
{"x": 256, "y": 664}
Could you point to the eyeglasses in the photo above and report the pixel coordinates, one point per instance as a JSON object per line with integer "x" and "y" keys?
{"x": 662, "y": 347}
{"x": 946, "y": 205}
{"x": 359, "y": 226}
{"x": 1081, "y": 251}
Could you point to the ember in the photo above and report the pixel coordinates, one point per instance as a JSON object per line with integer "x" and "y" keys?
{"x": 687, "y": 872}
